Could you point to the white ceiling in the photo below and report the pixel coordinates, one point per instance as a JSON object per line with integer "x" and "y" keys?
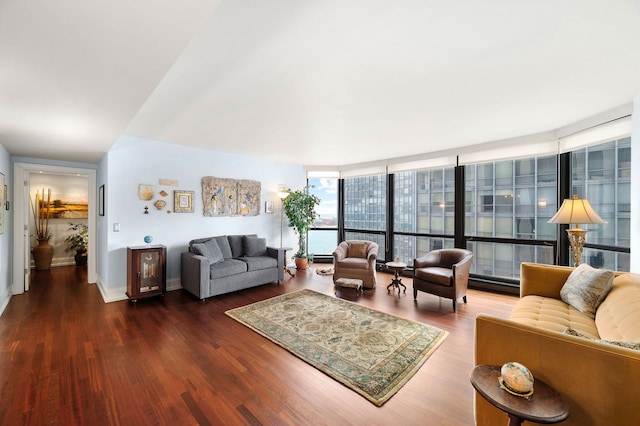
{"x": 329, "y": 82}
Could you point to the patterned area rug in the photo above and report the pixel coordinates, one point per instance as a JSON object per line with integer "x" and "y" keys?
{"x": 371, "y": 352}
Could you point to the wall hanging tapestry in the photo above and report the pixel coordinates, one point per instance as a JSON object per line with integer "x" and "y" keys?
{"x": 370, "y": 352}
{"x": 230, "y": 197}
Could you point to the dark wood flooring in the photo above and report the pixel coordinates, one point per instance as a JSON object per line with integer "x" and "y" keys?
{"x": 67, "y": 358}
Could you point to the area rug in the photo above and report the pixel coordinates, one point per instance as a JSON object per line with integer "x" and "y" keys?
{"x": 369, "y": 351}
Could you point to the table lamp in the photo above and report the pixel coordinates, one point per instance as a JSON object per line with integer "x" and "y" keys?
{"x": 575, "y": 211}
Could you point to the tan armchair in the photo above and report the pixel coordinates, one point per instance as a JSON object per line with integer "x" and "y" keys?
{"x": 356, "y": 260}
{"x": 444, "y": 273}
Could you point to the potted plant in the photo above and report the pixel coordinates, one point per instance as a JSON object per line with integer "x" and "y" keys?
{"x": 43, "y": 252}
{"x": 299, "y": 206}
{"x": 78, "y": 242}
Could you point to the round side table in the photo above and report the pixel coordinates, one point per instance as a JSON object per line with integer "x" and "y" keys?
{"x": 545, "y": 405}
{"x": 396, "y": 282}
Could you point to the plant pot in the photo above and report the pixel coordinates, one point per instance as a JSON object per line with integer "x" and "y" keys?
{"x": 42, "y": 255}
{"x": 301, "y": 263}
{"x": 81, "y": 258}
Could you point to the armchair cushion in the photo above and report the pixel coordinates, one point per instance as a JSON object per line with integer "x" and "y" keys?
{"x": 358, "y": 249}
{"x": 435, "y": 274}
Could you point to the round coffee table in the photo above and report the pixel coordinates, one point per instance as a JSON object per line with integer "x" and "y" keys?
{"x": 544, "y": 406}
{"x": 396, "y": 282}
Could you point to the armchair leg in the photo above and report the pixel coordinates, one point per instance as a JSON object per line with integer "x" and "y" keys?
{"x": 454, "y": 305}
{"x": 464, "y": 298}
{"x": 415, "y": 294}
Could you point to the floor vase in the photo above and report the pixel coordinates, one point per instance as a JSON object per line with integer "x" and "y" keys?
{"x": 42, "y": 255}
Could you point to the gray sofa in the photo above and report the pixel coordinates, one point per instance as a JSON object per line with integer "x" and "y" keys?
{"x": 226, "y": 263}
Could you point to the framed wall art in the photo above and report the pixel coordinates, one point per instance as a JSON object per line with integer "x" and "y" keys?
{"x": 268, "y": 207}
{"x": 183, "y": 201}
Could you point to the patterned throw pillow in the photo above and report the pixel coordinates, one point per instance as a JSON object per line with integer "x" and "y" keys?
{"x": 586, "y": 288}
{"x": 629, "y": 345}
{"x": 358, "y": 249}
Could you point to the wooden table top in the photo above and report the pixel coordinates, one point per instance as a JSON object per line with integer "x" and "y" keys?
{"x": 544, "y": 406}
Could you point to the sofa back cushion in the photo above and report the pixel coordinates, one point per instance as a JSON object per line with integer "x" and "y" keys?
{"x": 586, "y": 288}
{"x": 225, "y": 248}
{"x": 618, "y": 317}
{"x": 237, "y": 244}
{"x": 254, "y": 246}
{"x": 208, "y": 249}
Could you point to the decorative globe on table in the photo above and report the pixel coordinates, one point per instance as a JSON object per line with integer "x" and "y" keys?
{"x": 148, "y": 239}
{"x": 516, "y": 379}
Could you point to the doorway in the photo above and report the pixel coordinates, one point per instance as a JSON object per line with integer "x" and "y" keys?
{"x": 23, "y": 173}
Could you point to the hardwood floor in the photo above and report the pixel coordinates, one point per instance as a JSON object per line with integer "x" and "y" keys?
{"x": 68, "y": 358}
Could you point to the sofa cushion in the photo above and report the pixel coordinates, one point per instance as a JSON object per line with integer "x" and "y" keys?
{"x": 586, "y": 288}
{"x": 237, "y": 246}
{"x": 225, "y": 248}
{"x": 358, "y": 249}
{"x": 354, "y": 263}
{"x": 254, "y": 246}
{"x": 433, "y": 274}
{"x": 227, "y": 267}
{"x": 618, "y": 317}
{"x": 257, "y": 263}
{"x": 552, "y": 314}
{"x": 208, "y": 249}
{"x": 629, "y": 345}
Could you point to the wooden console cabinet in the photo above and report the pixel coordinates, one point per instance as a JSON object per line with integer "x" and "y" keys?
{"x": 146, "y": 271}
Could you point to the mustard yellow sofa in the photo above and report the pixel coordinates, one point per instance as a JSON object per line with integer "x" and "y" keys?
{"x": 600, "y": 381}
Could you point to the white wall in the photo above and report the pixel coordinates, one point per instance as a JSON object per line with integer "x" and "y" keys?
{"x": 5, "y": 238}
{"x": 133, "y": 161}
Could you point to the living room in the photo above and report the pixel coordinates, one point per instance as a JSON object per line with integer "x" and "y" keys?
{"x": 254, "y": 131}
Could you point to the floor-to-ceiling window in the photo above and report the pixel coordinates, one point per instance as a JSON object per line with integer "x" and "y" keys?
{"x": 507, "y": 206}
{"x": 602, "y": 175}
{"x": 323, "y": 236}
{"x": 423, "y": 212}
{"x": 365, "y": 210}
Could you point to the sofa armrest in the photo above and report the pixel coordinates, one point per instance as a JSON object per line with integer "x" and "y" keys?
{"x": 194, "y": 273}
{"x": 593, "y": 377}
{"x": 278, "y": 254}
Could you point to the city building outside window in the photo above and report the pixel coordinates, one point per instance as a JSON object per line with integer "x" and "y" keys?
{"x": 365, "y": 210}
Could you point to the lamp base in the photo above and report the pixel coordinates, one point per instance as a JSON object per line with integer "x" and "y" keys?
{"x": 577, "y": 238}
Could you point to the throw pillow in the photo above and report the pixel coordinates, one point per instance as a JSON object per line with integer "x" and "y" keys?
{"x": 629, "y": 345}
{"x": 358, "y": 249}
{"x": 225, "y": 248}
{"x": 208, "y": 250}
{"x": 254, "y": 246}
{"x": 214, "y": 249}
{"x": 586, "y": 288}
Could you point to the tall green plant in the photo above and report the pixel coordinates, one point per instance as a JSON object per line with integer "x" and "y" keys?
{"x": 300, "y": 209}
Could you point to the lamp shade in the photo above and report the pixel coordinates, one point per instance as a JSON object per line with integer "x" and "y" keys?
{"x": 576, "y": 210}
